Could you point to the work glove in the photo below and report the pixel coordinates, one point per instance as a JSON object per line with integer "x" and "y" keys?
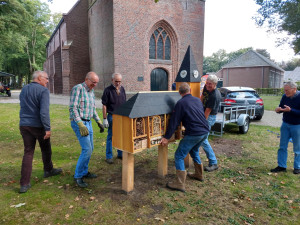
{"x": 105, "y": 123}
{"x": 100, "y": 126}
{"x": 83, "y": 129}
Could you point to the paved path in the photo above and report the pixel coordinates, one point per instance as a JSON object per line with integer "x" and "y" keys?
{"x": 54, "y": 99}
{"x": 270, "y": 118}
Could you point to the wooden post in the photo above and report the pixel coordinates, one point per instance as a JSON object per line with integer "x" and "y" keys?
{"x": 127, "y": 172}
{"x": 162, "y": 161}
{"x": 188, "y": 161}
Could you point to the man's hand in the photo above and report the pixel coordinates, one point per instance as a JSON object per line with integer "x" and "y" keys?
{"x": 100, "y": 126}
{"x": 164, "y": 142}
{"x": 105, "y": 123}
{"x": 285, "y": 109}
{"x": 47, "y": 135}
{"x": 83, "y": 129}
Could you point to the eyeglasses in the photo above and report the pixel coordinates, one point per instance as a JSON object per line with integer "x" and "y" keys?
{"x": 117, "y": 81}
{"x": 94, "y": 82}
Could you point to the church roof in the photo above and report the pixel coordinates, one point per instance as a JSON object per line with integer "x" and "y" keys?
{"x": 251, "y": 59}
{"x": 151, "y": 103}
{"x": 188, "y": 71}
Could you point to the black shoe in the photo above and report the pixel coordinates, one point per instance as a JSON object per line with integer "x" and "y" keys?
{"x": 24, "y": 188}
{"x": 109, "y": 161}
{"x": 90, "y": 175}
{"x": 52, "y": 172}
{"x": 119, "y": 157}
{"x": 211, "y": 168}
{"x": 80, "y": 182}
{"x": 296, "y": 171}
{"x": 278, "y": 169}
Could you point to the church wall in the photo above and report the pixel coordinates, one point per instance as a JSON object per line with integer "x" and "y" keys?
{"x": 130, "y": 30}
{"x": 133, "y": 26}
{"x": 101, "y": 36}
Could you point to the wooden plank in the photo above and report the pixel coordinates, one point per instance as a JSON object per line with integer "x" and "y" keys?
{"x": 162, "y": 161}
{"x": 127, "y": 172}
{"x": 188, "y": 161}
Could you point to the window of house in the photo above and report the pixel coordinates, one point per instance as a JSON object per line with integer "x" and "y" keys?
{"x": 160, "y": 45}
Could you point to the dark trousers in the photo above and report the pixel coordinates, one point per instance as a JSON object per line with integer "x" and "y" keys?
{"x": 30, "y": 135}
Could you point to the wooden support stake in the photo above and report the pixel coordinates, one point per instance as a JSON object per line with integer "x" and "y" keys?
{"x": 127, "y": 172}
{"x": 162, "y": 161}
{"x": 188, "y": 161}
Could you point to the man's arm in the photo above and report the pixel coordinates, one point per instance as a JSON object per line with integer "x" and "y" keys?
{"x": 207, "y": 112}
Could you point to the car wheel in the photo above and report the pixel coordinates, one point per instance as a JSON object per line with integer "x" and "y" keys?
{"x": 258, "y": 117}
{"x": 245, "y": 127}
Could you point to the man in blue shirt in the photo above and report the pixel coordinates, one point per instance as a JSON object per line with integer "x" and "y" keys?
{"x": 189, "y": 111}
{"x": 35, "y": 125}
{"x": 290, "y": 128}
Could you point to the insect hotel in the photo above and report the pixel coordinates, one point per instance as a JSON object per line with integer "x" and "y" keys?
{"x": 140, "y": 123}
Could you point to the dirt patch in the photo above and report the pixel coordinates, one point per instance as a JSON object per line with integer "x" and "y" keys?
{"x": 227, "y": 147}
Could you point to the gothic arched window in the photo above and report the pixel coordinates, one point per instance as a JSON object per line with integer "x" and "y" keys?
{"x": 160, "y": 45}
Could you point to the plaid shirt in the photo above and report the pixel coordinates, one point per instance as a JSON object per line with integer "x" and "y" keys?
{"x": 82, "y": 104}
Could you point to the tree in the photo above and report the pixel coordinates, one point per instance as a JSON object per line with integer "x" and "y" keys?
{"x": 280, "y": 16}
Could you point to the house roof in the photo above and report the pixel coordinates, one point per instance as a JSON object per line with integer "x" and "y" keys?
{"x": 188, "y": 71}
{"x": 251, "y": 59}
{"x": 292, "y": 75}
{"x": 151, "y": 103}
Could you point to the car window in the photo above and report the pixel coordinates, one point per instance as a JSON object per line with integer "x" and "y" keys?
{"x": 242, "y": 94}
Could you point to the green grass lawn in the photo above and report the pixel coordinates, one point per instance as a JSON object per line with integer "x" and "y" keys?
{"x": 242, "y": 191}
{"x": 271, "y": 102}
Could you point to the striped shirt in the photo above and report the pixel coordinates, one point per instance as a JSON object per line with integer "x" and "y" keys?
{"x": 82, "y": 104}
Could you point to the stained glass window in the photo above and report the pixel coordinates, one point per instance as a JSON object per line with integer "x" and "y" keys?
{"x": 160, "y": 45}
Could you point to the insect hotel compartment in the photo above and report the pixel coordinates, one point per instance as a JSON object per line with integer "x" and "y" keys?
{"x": 141, "y": 122}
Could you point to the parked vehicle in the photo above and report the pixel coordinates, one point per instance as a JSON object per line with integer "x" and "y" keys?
{"x": 5, "y": 89}
{"x": 240, "y": 115}
{"x": 241, "y": 96}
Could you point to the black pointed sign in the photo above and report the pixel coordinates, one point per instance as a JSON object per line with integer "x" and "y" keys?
{"x": 188, "y": 71}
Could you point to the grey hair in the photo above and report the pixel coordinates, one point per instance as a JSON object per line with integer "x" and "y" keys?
{"x": 213, "y": 78}
{"x": 116, "y": 74}
{"x": 37, "y": 73}
{"x": 184, "y": 88}
{"x": 291, "y": 84}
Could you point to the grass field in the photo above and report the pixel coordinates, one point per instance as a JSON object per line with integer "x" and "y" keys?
{"x": 242, "y": 191}
{"x": 270, "y": 101}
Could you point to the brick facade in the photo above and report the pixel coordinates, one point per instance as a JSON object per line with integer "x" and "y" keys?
{"x": 120, "y": 32}
{"x": 68, "y": 51}
{"x": 113, "y": 36}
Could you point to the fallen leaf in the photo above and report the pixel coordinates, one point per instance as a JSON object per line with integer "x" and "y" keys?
{"x": 92, "y": 198}
{"x": 77, "y": 198}
{"x": 71, "y": 207}
{"x": 290, "y": 201}
{"x": 18, "y": 205}
{"x": 285, "y": 196}
{"x": 45, "y": 181}
{"x": 67, "y": 216}
{"x": 159, "y": 219}
{"x": 282, "y": 182}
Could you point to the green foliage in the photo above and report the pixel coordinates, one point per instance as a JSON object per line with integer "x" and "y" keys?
{"x": 25, "y": 27}
{"x": 281, "y": 16}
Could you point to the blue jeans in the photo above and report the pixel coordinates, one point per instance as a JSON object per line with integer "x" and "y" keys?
{"x": 87, "y": 148}
{"x": 189, "y": 144}
{"x": 109, "y": 153}
{"x": 288, "y": 131}
{"x": 206, "y": 146}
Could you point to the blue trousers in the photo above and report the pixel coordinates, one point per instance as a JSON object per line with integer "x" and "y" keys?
{"x": 87, "y": 148}
{"x": 189, "y": 144}
{"x": 206, "y": 146}
{"x": 109, "y": 153}
{"x": 288, "y": 131}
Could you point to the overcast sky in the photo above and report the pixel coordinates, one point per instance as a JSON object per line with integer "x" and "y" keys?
{"x": 228, "y": 25}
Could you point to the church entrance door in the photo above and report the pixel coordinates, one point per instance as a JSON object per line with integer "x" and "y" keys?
{"x": 159, "y": 80}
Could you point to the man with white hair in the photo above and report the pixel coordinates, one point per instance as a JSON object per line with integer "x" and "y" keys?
{"x": 113, "y": 96}
{"x": 35, "y": 125}
{"x": 210, "y": 98}
{"x": 290, "y": 128}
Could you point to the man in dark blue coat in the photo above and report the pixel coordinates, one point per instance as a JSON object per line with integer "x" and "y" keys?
{"x": 35, "y": 125}
{"x": 188, "y": 110}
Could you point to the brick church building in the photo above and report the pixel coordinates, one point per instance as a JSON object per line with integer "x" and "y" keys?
{"x": 142, "y": 40}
